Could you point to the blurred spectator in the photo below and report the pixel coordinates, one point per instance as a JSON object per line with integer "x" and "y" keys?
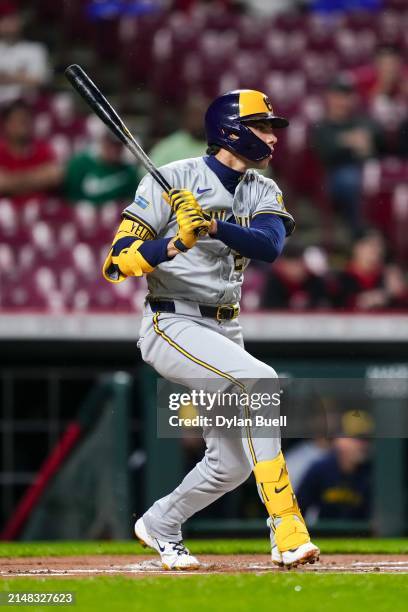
{"x": 189, "y": 140}
{"x": 102, "y": 175}
{"x": 269, "y": 9}
{"x": 383, "y": 89}
{"x": 403, "y": 139}
{"x": 338, "y": 485}
{"x": 292, "y": 285}
{"x": 343, "y": 140}
{"x": 24, "y": 65}
{"x": 207, "y": 5}
{"x": 367, "y": 283}
{"x": 387, "y": 76}
{"x": 301, "y": 456}
{"x": 28, "y": 167}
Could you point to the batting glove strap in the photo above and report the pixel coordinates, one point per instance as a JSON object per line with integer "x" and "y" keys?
{"x": 180, "y": 246}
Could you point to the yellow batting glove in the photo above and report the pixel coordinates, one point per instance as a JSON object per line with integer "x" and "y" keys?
{"x": 179, "y": 198}
{"x": 191, "y": 224}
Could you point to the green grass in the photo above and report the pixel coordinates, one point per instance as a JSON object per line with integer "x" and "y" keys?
{"x": 282, "y": 592}
{"x": 129, "y": 547}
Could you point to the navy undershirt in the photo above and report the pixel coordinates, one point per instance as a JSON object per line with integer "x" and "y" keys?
{"x": 263, "y": 241}
{"x": 228, "y": 177}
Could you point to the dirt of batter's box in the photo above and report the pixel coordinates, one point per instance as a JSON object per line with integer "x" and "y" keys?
{"x": 141, "y": 566}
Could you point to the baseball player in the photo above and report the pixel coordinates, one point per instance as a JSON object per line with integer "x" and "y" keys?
{"x": 193, "y": 246}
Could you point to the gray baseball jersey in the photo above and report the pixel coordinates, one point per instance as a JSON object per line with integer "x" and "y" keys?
{"x": 184, "y": 346}
{"x": 210, "y": 273}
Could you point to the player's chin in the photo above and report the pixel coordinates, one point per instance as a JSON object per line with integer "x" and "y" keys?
{"x": 263, "y": 163}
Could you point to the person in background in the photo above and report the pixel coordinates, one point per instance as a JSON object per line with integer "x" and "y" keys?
{"x": 302, "y": 455}
{"x": 188, "y": 141}
{"x": 403, "y": 139}
{"x": 368, "y": 283}
{"x": 24, "y": 65}
{"x": 338, "y": 485}
{"x": 292, "y": 285}
{"x": 28, "y": 167}
{"x": 385, "y": 77}
{"x": 101, "y": 175}
{"x": 260, "y": 8}
{"x": 383, "y": 90}
{"x": 343, "y": 140}
{"x": 189, "y": 6}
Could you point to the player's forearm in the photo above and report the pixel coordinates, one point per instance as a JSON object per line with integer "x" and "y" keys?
{"x": 44, "y": 177}
{"x": 154, "y": 252}
{"x": 263, "y": 241}
{"x": 171, "y": 249}
{"x": 158, "y": 251}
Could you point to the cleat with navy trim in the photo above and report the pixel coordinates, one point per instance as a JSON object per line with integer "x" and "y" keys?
{"x": 174, "y": 555}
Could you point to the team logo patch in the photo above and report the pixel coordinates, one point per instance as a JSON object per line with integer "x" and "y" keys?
{"x": 279, "y": 199}
{"x": 141, "y": 202}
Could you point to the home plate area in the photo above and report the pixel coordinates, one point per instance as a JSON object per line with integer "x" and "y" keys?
{"x": 142, "y": 566}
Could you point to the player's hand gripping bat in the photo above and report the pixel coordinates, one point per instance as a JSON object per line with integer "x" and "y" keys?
{"x": 100, "y": 105}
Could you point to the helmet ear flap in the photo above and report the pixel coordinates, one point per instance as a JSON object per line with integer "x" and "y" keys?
{"x": 230, "y": 134}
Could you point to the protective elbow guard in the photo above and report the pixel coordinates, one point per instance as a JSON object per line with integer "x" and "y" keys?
{"x": 129, "y": 262}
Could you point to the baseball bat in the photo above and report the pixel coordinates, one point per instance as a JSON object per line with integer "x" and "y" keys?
{"x": 100, "y": 105}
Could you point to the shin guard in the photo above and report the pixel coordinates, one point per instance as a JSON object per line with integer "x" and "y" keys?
{"x": 273, "y": 480}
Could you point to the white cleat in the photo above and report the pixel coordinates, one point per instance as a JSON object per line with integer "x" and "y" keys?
{"x": 305, "y": 553}
{"x": 276, "y": 555}
{"x": 174, "y": 555}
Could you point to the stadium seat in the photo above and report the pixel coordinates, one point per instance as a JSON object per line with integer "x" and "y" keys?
{"x": 56, "y": 249}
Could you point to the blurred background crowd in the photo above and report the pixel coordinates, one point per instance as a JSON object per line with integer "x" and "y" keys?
{"x": 338, "y": 70}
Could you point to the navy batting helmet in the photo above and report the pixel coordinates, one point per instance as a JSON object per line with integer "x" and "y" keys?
{"x": 226, "y": 119}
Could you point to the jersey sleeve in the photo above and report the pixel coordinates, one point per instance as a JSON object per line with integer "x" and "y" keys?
{"x": 149, "y": 209}
{"x": 271, "y": 202}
